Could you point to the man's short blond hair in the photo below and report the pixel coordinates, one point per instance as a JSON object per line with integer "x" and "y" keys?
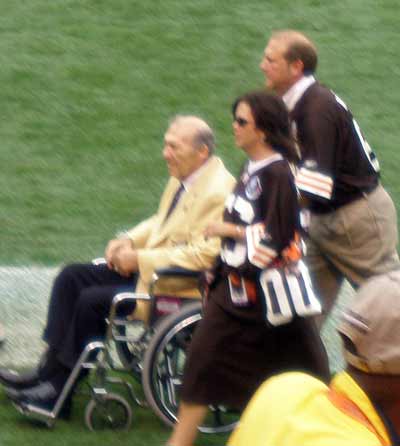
{"x": 299, "y": 47}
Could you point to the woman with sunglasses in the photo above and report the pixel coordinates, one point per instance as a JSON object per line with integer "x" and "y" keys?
{"x": 240, "y": 341}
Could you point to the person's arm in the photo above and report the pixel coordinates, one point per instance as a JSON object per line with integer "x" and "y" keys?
{"x": 267, "y": 242}
{"x": 196, "y": 252}
{"x": 224, "y": 229}
{"x": 141, "y": 232}
{"x": 268, "y": 234}
{"x": 185, "y": 245}
{"x": 121, "y": 253}
{"x": 265, "y": 239}
{"x": 319, "y": 136}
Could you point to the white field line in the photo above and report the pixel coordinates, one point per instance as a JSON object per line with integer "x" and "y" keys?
{"x": 24, "y": 294}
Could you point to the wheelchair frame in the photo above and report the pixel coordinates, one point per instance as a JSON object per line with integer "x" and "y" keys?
{"x": 159, "y": 368}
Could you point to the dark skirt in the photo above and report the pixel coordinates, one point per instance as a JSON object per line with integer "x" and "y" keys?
{"x": 233, "y": 351}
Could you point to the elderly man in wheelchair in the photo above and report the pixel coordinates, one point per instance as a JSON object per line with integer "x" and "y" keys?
{"x": 82, "y": 294}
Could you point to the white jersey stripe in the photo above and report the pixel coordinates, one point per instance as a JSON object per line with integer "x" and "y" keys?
{"x": 315, "y": 183}
{"x": 313, "y": 190}
{"x": 257, "y": 253}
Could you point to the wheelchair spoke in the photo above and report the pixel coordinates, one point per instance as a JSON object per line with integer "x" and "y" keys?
{"x": 110, "y": 411}
{"x": 169, "y": 375}
{"x": 163, "y": 369}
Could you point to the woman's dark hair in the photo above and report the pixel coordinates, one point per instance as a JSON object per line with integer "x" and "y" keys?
{"x": 271, "y": 116}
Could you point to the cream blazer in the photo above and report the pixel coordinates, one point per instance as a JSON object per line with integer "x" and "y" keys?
{"x": 179, "y": 241}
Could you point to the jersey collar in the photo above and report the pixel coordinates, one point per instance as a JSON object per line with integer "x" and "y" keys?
{"x": 296, "y": 91}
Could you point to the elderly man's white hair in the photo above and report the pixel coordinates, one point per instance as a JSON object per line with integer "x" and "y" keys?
{"x": 202, "y": 133}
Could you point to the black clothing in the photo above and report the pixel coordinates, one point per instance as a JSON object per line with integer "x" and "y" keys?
{"x": 234, "y": 349}
{"x": 80, "y": 301}
{"x": 332, "y": 145}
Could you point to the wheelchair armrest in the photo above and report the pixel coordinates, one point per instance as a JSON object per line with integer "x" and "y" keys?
{"x": 128, "y": 296}
{"x": 99, "y": 261}
{"x": 172, "y": 271}
{"x": 117, "y": 300}
{"x": 134, "y": 296}
{"x": 177, "y": 271}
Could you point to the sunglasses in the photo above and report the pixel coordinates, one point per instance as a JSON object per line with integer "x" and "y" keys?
{"x": 240, "y": 121}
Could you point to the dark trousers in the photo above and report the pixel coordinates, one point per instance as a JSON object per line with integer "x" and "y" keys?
{"x": 79, "y": 303}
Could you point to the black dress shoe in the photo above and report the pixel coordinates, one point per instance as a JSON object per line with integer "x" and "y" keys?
{"x": 12, "y": 392}
{"x": 11, "y": 378}
{"x": 43, "y": 395}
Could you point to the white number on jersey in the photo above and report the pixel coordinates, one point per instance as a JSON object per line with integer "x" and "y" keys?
{"x": 373, "y": 160}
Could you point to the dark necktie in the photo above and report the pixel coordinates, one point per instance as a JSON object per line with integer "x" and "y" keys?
{"x": 174, "y": 201}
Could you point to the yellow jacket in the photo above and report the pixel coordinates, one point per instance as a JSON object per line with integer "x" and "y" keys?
{"x": 295, "y": 409}
{"x": 179, "y": 241}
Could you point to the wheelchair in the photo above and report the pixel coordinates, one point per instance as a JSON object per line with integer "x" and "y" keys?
{"x": 154, "y": 354}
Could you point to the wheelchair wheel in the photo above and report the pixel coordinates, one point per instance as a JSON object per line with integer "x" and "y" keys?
{"x": 163, "y": 367}
{"x": 108, "y": 411}
{"x": 131, "y": 349}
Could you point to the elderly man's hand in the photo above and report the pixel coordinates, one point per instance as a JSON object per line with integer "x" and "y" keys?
{"x": 125, "y": 261}
{"x": 112, "y": 247}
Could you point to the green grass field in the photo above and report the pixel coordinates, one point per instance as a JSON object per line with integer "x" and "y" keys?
{"x": 87, "y": 89}
{"x": 146, "y": 430}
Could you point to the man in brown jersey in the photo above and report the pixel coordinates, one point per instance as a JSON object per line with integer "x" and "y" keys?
{"x": 352, "y": 223}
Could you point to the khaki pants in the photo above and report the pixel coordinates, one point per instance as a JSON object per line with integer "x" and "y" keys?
{"x": 355, "y": 242}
